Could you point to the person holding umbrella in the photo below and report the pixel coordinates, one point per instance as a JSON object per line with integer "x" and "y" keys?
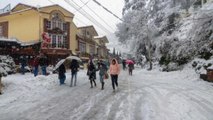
{"x": 61, "y": 73}
{"x": 74, "y": 69}
{"x": 130, "y": 65}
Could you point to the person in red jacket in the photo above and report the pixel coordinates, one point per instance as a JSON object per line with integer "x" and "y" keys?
{"x": 114, "y": 72}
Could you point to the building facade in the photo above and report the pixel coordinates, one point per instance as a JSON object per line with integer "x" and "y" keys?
{"x": 102, "y": 50}
{"x": 86, "y": 43}
{"x": 51, "y": 25}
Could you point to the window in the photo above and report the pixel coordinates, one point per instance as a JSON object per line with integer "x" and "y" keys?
{"x": 87, "y": 32}
{"x": 58, "y": 41}
{"x": 92, "y": 49}
{"x": 53, "y": 24}
{"x": 82, "y": 47}
{"x": 65, "y": 42}
{"x": 57, "y": 21}
{"x": 53, "y": 41}
{"x": 64, "y": 27}
{"x": 50, "y": 36}
{"x": 1, "y": 30}
{"x": 48, "y": 25}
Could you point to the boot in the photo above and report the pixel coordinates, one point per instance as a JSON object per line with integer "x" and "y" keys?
{"x": 102, "y": 85}
{"x": 94, "y": 83}
{"x": 91, "y": 84}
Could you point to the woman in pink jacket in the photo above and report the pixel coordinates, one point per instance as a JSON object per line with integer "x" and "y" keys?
{"x": 114, "y": 72}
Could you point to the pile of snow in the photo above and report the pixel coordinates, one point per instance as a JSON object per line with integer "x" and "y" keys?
{"x": 7, "y": 65}
{"x": 201, "y": 65}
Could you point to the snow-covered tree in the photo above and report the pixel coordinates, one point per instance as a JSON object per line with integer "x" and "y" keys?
{"x": 159, "y": 30}
{"x": 7, "y": 66}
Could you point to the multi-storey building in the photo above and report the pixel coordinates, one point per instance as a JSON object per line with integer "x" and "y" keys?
{"x": 51, "y": 25}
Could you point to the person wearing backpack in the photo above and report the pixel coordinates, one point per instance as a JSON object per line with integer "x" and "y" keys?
{"x": 61, "y": 74}
{"x": 74, "y": 69}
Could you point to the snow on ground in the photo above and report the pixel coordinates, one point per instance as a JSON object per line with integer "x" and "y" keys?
{"x": 147, "y": 95}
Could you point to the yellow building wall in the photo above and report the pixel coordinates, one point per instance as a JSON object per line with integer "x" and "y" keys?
{"x": 24, "y": 26}
{"x": 73, "y": 41}
{"x": 27, "y": 26}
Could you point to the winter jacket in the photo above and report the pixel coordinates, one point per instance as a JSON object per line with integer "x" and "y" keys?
{"x": 74, "y": 66}
{"x": 102, "y": 70}
{"x": 61, "y": 71}
{"x": 114, "y": 69}
{"x": 36, "y": 62}
{"x": 91, "y": 71}
{"x": 23, "y": 61}
{"x": 131, "y": 66}
{"x": 43, "y": 61}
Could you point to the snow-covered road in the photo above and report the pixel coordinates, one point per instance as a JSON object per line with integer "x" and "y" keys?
{"x": 147, "y": 95}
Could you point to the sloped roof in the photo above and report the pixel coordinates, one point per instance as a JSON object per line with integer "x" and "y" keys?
{"x": 56, "y": 5}
{"x": 104, "y": 38}
{"x": 90, "y": 26}
{"x": 22, "y": 6}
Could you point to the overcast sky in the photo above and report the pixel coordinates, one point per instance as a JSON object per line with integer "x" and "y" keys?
{"x": 80, "y": 20}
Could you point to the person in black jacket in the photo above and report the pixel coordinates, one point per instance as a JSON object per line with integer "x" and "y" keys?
{"x": 61, "y": 74}
{"x": 91, "y": 72}
{"x": 74, "y": 69}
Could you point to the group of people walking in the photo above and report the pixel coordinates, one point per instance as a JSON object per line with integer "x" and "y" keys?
{"x": 103, "y": 68}
{"x": 114, "y": 71}
{"x": 42, "y": 62}
{"x": 74, "y": 66}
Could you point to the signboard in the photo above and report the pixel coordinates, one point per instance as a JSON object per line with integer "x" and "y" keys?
{"x": 46, "y": 40}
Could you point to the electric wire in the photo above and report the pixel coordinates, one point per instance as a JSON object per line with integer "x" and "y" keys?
{"x": 98, "y": 16}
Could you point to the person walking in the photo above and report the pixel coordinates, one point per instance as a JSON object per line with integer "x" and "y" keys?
{"x": 23, "y": 62}
{"x": 43, "y": 63}
{"x": 61, "y": 74}
{"x": 91, "y": 72}
{"x": 74, "y": 69}
{"x": 131, "y": 67}
{"x": 114, "y": 72}
{"x": 102, "y": 71}
{"x": 124, "y": 64}
{"x": 36, "y": 64}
